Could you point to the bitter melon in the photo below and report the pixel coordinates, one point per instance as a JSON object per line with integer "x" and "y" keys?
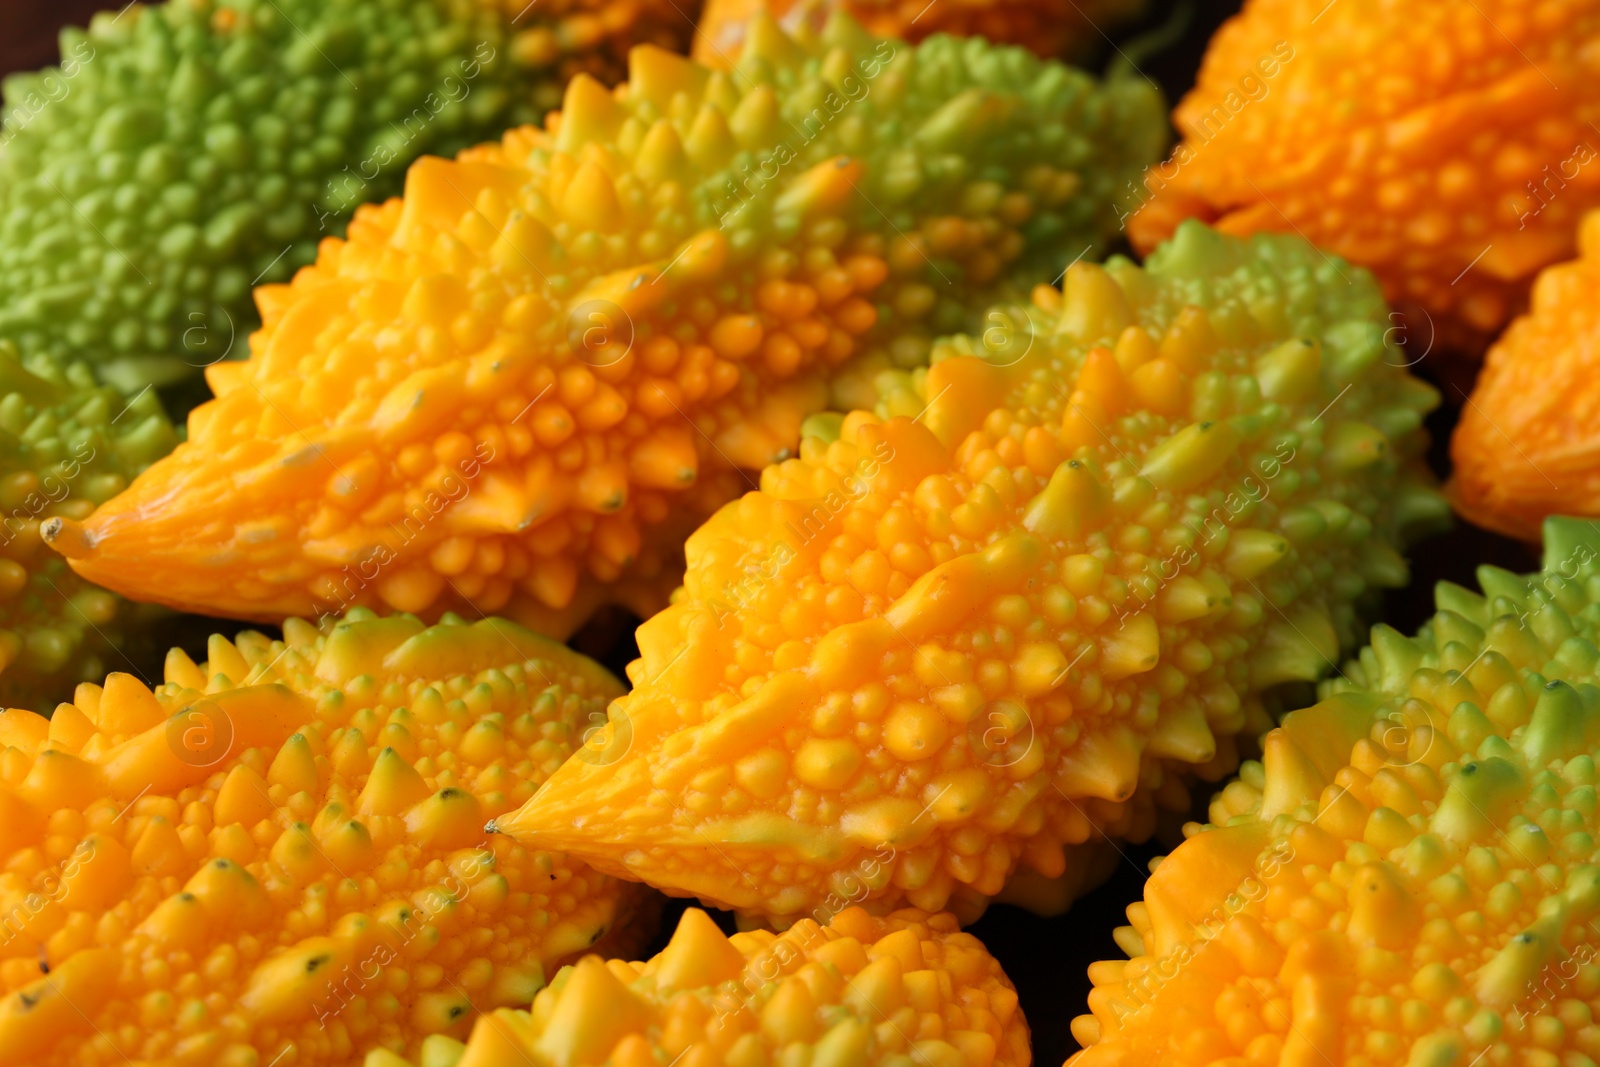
{"x": 1450, "y": 148}
{"x": 851, "y": 992}
{"x": 183, "y": 152}
{"x": 1523, "y": 449}
{"x": 518, "y": 389}
{"x": 278, "y": 854}
{"x": 66, "y": 444}
{"x": 1410, "y": 874}
{"x": 1016, "y": 620}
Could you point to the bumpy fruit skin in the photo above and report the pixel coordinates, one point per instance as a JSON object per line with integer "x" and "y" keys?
{"x": 185, "y": 151}
{"x": 1045, "y": 27}
{"x": 518, "y": 389}
{"x": 1410, "y": 873}
{"x": 1523, "y": 448}
{"x": 284, "y": 846}
{"x": 909, "y": 988}
{"x": 66, "y": 444}
{"x": 945, "y": 645}
{"x": 1454, "y": 178}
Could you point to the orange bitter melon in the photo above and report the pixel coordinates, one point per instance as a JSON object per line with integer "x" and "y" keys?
{"x": 853, "y": 991}
{"x": 1524, "y": 448}
{"x": 1045, "y": 27}
{"x": 979, "y": 635}
{"x": 1450, "y": 148}
{"x": 1410, "y": 873}
{"x": 516, "y": 389}
{"x": 279, "y": 852}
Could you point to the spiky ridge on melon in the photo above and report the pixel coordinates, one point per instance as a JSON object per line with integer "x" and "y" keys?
{"x": 184, "y": 151}
{"x": 853, "y": 992}
{"x": 518, "y": 389}
{"x": 1410, "y": 874}
{"x": 1044, "y": 27}
{"x": 283, "y": 846}
{"x": 1454, "y": 179}
{"x": 994, "y": 631}
{"x": 66, "y": 444}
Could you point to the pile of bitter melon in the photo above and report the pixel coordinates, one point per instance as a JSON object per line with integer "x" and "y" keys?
{"x": 972, "y": 557}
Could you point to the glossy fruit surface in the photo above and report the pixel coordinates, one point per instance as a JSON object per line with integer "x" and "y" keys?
{"x": 1410, "y": 874}
{"x": 184, "y": 152}
{"x": 519, "y": 388}
{"x": 854, "y": 990}
{"x": 282, "y": 847}
{"x": 950, "y": 643}
{"x": 1447, "y": 147}
{"x": 1525, "y": 447}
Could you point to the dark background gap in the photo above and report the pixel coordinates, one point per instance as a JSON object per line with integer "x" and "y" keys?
{"x": 1046, "y": 958}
